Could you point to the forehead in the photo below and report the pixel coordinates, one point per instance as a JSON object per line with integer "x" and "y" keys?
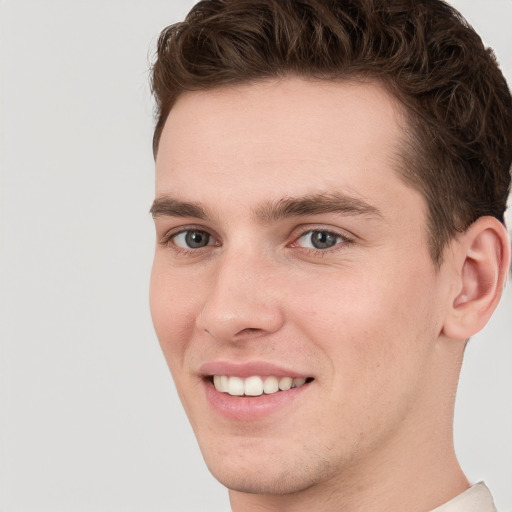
{"x": 281, "y": 137}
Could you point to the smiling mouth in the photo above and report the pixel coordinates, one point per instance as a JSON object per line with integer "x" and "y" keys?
{"x": 256, "y": 385}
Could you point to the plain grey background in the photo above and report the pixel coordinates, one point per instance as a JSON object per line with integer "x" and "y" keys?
{"x": 89, "y": 417}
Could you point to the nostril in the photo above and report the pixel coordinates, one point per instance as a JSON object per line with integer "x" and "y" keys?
{"x": 248, "y": 330}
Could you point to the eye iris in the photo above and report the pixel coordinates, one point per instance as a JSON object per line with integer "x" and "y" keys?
{"x": 323, "y": 240}
{"x": 196, "y": 239}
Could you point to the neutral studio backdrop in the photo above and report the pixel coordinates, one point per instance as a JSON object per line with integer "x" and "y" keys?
{"x": 89, "y": 419}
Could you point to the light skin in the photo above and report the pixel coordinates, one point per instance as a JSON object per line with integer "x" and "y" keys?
{"x": 285, "y": 237}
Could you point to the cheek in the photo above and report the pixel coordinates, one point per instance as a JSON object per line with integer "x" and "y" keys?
{"x": 173, "y": 304}
{"x": 376, "y": 337}
{"x": 369, "y": 323}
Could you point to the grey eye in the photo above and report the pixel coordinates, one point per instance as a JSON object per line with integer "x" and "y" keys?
{"x": 319, "y": 240}
{"x": 193, "y": 239}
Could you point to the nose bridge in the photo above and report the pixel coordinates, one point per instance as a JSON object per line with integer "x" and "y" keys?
{"x": 242, "y": 297}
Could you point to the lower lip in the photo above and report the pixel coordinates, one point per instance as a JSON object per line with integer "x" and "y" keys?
{"x": 244, "y": 408}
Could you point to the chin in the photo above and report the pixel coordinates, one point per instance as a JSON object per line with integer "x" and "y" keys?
{"x": 276, "y": 475}
{"x": 257, "y": 483}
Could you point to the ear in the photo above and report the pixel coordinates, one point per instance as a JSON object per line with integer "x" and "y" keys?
{"x": 482, "y": 260}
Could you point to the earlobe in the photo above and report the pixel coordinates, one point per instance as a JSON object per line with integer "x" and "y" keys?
{"x": 482, "y": 256}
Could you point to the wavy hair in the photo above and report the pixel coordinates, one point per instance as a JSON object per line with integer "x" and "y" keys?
{"x": 458, "y": 145}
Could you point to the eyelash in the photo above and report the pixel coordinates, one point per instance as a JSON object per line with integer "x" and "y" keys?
{"x": 168, "y": 238}
{"x": 342, "y": 241}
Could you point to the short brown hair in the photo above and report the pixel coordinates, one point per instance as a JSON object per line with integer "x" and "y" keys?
{"x": 458, "y": 105}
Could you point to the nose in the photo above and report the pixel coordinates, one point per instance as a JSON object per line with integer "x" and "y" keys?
{"x": 242, "y": 302}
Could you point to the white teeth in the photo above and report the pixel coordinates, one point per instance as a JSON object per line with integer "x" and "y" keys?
{"x": 298, "y": 382}
{"x": 271, "y": 385}
{"x": 235, "y": 386}
{"x": 221, "y": 383}
{"x": 285, "y": 383}
{"x": 217, "y": 383}
{"x": 224, "y": 381}
{"x": 255, "y": 385}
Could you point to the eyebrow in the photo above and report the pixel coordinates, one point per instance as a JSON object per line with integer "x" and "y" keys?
{"x": 170, "y": 207}
{"x": 314, "y": 204}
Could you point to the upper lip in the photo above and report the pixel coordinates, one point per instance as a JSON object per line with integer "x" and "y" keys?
{"x": 248, "y": 369}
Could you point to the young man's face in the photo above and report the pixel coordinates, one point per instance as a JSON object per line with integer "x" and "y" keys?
{"x": 289, "y": 248}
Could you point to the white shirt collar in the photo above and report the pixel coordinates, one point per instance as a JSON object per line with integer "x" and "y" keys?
{"x": 476, "y": 499}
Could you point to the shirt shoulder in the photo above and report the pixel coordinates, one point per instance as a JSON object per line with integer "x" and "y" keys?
{"x": 477, "y": 498}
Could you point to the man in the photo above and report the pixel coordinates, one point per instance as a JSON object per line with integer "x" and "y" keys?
{"x": 331, "y": 182}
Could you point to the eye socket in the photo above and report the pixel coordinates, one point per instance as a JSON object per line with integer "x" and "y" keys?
{"x": 193, "y": 239}
{"x": 319, "y": 239}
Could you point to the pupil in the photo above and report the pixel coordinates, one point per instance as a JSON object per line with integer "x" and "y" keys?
{"x": 323, "y": 240}
{"x": 197, "y": 239}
